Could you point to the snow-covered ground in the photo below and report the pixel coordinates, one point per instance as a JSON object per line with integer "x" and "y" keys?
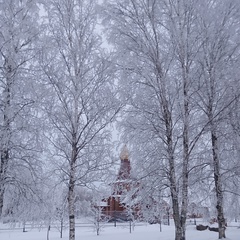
{"x": 120, "y": 232}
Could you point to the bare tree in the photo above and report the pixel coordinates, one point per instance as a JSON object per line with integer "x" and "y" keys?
{"x": 80, "y": 83}
{"x": 184, "y": 37}
{"x": 156, "y": 44}
{"x": 163, "y": 57}
{"x": 18, "y": 35}
{"x": 217, "y": 81}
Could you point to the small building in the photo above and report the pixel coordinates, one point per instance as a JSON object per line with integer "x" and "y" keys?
{"x": 114, "y": 208}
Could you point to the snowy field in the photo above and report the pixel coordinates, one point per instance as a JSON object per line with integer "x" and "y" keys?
{"x": 120, "y": 232}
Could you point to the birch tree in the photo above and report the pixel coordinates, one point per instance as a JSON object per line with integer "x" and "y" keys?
{"x": 79, "y": 81}
{"x": 184, "y": 38}
{"x": 156, "y": 43}
{"x": 170, "y": 58}
{"x": 218, "y": 49}
{"x": 18, "y": 32}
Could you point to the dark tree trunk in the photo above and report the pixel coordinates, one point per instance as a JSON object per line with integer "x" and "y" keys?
{"x": 218, "y": 186}
{"x": 71, "y": 189}
{"x": 179, "y": 229}
{"x": 5, "y": 138}
{"x": 71, "y": 206}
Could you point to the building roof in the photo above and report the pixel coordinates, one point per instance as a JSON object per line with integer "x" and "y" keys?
{"x": 124, "y": 153}
{"x": 125, "y": 167}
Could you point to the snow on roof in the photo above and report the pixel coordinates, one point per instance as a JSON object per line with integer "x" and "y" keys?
{"x": 124, "y": 153}
{"x": 103, "y": 204}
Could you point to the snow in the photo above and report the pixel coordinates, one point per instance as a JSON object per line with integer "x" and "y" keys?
{"x": 103, "y": 204}
{"x": 142, "y": 231}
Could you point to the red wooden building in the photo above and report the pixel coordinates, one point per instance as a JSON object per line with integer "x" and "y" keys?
{"x": 114, "y": 208}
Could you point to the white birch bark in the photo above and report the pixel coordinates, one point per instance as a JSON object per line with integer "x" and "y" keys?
{"x": 71, "y": 198}
{"x": 215, "y": 158}
{"x": 72, "y": 173}
{"x": 218, "y": 185}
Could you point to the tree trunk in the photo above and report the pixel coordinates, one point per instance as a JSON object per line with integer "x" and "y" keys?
{"x": 216, "y": 160}
{"x": 48, "y": 230}
{"x": 179, "y": 219}
{"x": 5, "y": 137}
{"x": 218, "y": 185}
{"x": 1, "y": 198}
{"x": 71, "y": 194}
{"x": 3, "y": 169}
{"x": 61, "y": 229}
{"x": 71, "y": 209}
{"x": 185, "y": 72}
{"x": 179, "y": 230}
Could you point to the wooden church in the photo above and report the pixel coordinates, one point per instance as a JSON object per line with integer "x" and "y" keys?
{"x": 114, "y": 207}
